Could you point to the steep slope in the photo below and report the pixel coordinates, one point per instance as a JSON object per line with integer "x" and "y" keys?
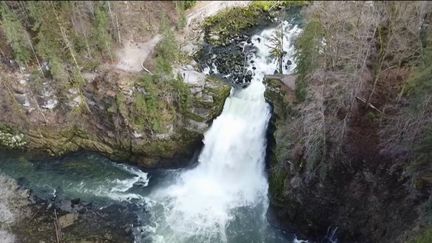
{"x": 78, "y": 82}
{"x": 351, "y": 149}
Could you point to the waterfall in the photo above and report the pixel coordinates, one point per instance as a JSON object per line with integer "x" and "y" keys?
{"x": 222, "y": 199}
{"x": 229, "y": 183}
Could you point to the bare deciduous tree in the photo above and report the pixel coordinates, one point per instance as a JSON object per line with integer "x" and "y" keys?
{"x": 362, "y": 41}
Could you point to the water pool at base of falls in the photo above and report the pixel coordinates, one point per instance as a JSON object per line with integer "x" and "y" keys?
{"x": 222, "y": 199}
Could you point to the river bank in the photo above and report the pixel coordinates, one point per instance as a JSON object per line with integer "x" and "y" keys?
{"x": 34, "y": 208}
{"x": 13, "y": 207}
{"x": 226, "y": 143}
{"x": 94, "y": 179}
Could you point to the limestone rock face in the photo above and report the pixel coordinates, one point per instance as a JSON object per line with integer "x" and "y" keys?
{"x": 104, "y": 118}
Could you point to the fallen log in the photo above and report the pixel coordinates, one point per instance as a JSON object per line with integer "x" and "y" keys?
{"x": 57, "y": 228}
{"x": 145, "y": 69}
{"x": 368, "y": 104}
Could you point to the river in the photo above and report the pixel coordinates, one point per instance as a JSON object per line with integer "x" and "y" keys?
{"x": 223, "y": 198}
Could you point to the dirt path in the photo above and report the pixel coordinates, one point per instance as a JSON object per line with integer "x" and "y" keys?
{"x": 204, "y": 9}
{"x": 133, "y": 54}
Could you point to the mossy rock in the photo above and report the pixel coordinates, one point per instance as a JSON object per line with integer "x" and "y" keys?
{"x": 280, "y": 98}
{"x": 277, "y": 180}
{"x": 11, "y": 138}
{"x": 172, "y": 152}
{"x": 218, "y": 90}
{"x": 110, "y": 132}
{"x": 231, "y": 23}
{"x": 423, "y": 237}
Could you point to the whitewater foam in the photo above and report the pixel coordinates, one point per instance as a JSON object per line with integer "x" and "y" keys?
{"x": 203, "y": 202}
{"x": 118, "y": 189}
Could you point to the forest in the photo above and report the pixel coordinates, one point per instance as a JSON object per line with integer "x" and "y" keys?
{"x": 216, "y": 121}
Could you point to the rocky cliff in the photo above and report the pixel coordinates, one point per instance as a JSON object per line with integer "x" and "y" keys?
{"x": 358, "y": 195}
{"x": 349, "y": 153}
{"x": 107, "y": 124}
{"x": 55, "y": 102}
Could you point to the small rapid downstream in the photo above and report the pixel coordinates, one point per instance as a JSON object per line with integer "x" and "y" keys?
{"x": 222, "y": 199}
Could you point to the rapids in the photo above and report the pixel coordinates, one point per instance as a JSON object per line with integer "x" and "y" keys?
{"x": 228, "y": 185}
{"x": 222, "y": 199}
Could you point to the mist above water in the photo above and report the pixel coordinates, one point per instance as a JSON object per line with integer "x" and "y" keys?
{"x": 224, "y": 198}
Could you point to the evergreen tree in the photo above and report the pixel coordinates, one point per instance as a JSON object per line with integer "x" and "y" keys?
{"x": 16, "y": 35}
{"x": 102, "y": 26}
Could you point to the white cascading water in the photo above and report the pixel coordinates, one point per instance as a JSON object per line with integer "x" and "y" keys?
{"x": 230, "y": 176}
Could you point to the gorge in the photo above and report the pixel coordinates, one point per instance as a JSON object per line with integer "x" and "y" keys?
{"x": 185, "y": 121}
{"x": 222, "y": 199}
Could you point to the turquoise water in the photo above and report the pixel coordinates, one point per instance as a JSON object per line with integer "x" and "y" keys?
{"x": 222, "y": 199}
{"x": 102, "y": 182}
{"x": 86, "y": 176}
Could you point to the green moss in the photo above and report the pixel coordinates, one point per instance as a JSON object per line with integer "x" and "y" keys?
{"x": 93, "y": 145}
{"x": 187, "y": 4}
{"x": 121, "y": 104}
{"x": 424, "y": 237}
{"x": 372, "y": 116}
{"x": 184, "y": 95}
{"x": 425, "y": 147}
{"x": 221, "y": 28}
{"x": 277, "y": 184}
{"x": 66, "y": 140}
{"x": 167, "y": 148}
{"x": 10, "y": 138}
{"x": 219, "y": 92}
{"x": 420, "y": 168}
{"x": 195, "y": 117}
{"x": 154, "y": 105}
{"x": 419, "y": 85}
{"x": 152, "y": 108}
{"x": 269, "y": 5}
{"x": 283, "y": 160}
{"x": 231, "y": 23}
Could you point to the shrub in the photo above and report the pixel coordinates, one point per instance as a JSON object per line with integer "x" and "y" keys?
{"x": 16, "y": 35}
{"x": 307, "y": 52}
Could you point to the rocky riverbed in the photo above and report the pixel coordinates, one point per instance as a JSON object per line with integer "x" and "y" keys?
{"x": 35, "y": 216}
{"x": 14, "y": 207}
{"x": 321, "y": 187}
